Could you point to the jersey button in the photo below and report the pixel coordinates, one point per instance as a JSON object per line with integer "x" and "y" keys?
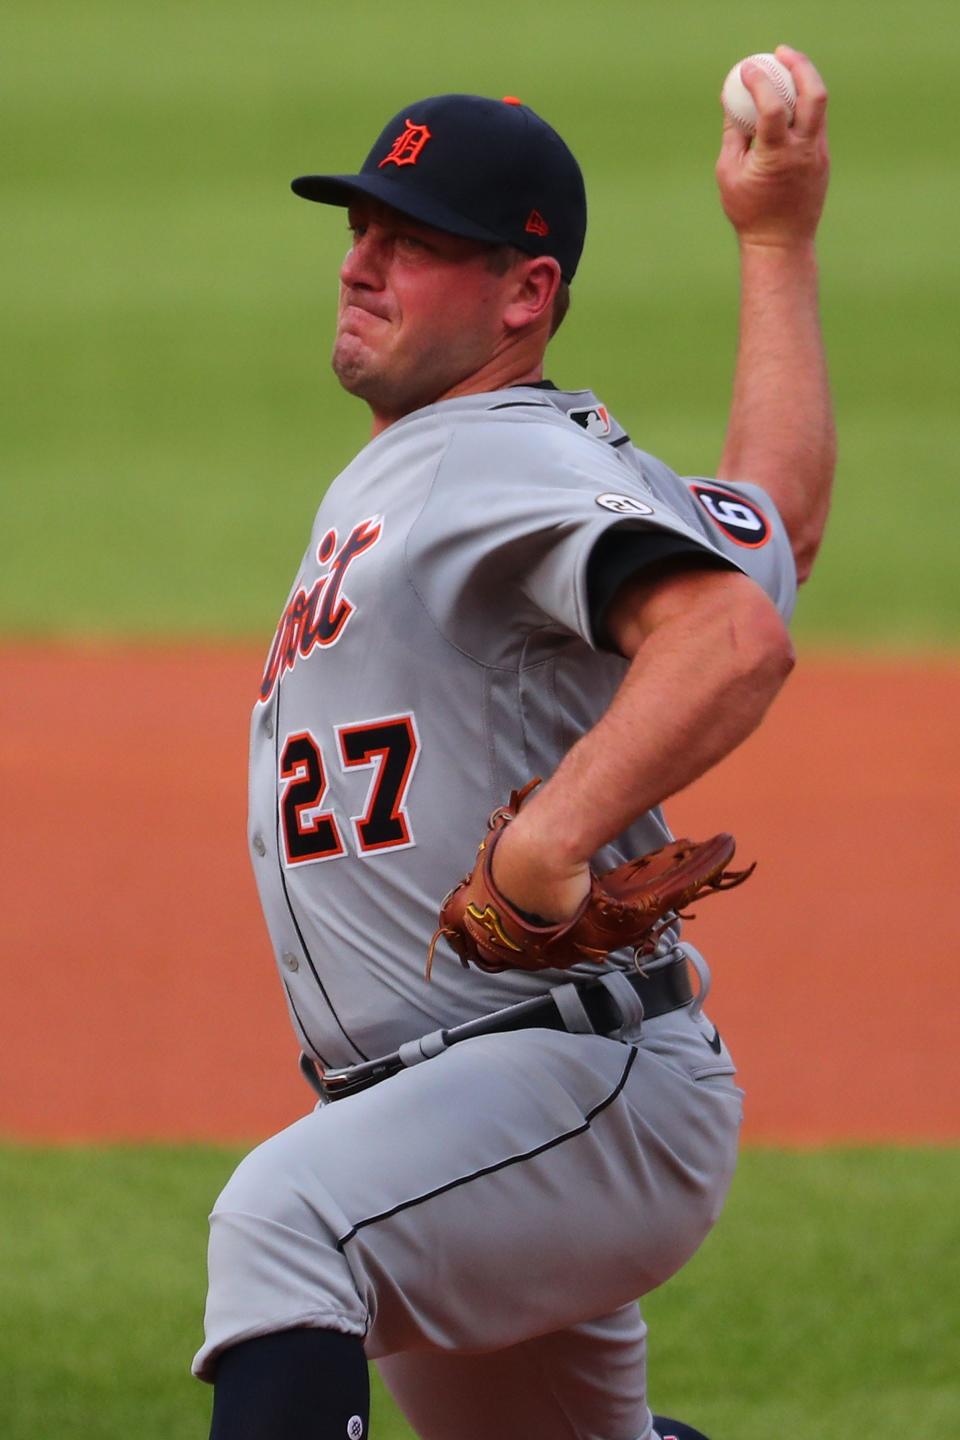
{"x": 291, "y": 961}
{"x": 258, "y": 845}
{"x": 268, "y": 726}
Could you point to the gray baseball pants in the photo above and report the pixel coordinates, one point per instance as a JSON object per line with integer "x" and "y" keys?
{"x": 486, "y": 1221}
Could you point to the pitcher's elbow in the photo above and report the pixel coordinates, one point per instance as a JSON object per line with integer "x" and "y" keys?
{"x": 804, "y": 554}
{"x": 768, "y": 650}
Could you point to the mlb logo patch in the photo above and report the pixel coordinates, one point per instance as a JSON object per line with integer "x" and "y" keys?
{"x": 595, "y": 419}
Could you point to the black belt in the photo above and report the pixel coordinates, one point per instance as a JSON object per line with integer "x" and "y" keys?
{"x": 594, "y": 1008}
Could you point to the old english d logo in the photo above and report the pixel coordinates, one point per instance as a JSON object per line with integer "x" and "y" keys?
{"x": 407, "y": 146}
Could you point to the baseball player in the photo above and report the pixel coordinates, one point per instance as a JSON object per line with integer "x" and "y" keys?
{"x": 502, "y": 586}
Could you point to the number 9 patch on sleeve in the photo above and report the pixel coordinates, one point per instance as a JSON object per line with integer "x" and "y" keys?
{"x": 740, "y": 519}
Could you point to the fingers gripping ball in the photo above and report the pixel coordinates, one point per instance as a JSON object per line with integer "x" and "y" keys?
{"x": 737, "y": 100}
{"x": 626, "y": 907}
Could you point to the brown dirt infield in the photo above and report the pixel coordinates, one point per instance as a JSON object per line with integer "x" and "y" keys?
{"x": 136, "y": 986}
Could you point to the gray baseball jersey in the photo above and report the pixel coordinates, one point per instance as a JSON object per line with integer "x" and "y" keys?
{"x": 435, "y": 652}
{"x": 486, "y": 1219}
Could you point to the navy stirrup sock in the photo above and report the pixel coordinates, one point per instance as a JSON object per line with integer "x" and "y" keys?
{"x": 292, "y": 1385}
{"x": 675, "y": 1429}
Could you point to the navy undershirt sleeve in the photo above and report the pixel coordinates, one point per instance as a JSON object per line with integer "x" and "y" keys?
{"x": 620, "y": 554}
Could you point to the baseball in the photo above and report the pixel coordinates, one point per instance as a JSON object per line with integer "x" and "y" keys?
{"x": 738, "y": 102}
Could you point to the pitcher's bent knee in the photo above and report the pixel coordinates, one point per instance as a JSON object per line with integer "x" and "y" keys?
{"x": 272, "y": 1261}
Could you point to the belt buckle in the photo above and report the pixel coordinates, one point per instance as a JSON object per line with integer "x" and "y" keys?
{"x": 316, "y": 1078}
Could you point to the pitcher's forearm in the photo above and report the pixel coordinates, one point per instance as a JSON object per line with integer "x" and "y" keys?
{"x": 781, "y": 433}
{"x": 695, "y": 689}
{"x": 664, "y": 729}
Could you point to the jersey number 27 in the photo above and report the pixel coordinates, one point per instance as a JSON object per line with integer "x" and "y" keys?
{"x": 389, "y": 748}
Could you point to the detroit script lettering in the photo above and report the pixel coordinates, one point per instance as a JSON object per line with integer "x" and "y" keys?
{"x": 318, "y": 616}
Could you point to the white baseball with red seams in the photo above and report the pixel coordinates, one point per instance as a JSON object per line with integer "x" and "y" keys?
{"x": 737, "y": 100}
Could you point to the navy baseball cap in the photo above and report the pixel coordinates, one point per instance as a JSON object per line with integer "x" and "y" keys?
{"x": 485, "y": 169}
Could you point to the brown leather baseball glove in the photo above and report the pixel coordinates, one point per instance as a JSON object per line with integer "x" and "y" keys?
{"x": 628, "y": 906}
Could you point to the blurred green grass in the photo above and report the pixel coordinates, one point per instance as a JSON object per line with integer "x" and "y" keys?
{"x": 824, "y": 1302}
{"x": 169, "y": 417}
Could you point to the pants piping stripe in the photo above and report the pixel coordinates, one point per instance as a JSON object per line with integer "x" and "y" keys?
{"x": 500, "y": 1164}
